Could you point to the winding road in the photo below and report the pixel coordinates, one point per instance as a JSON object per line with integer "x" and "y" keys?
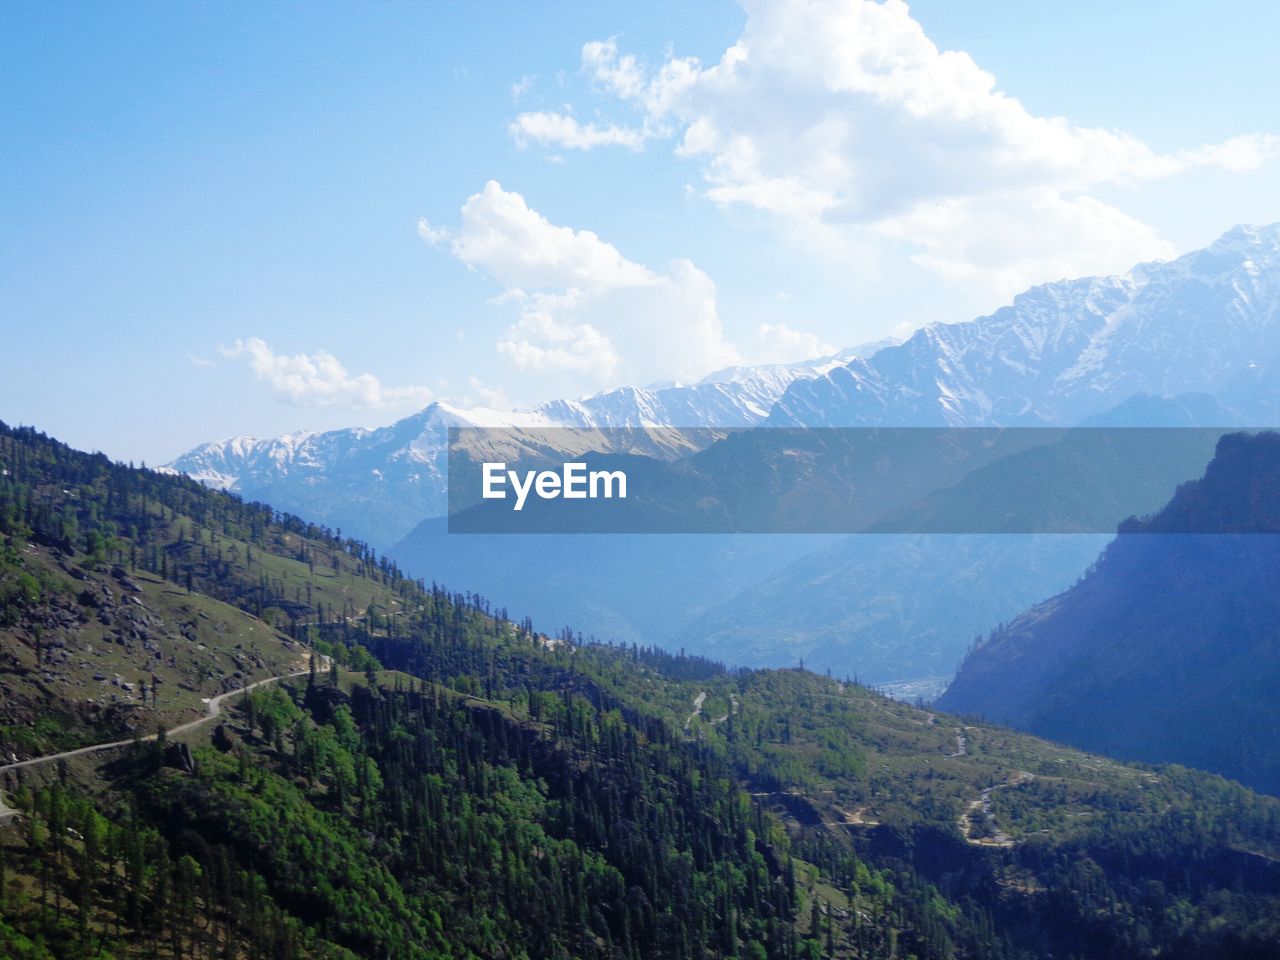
{"x": 698, "y": 701}
{"x": 213, "y": 709}
{"x": 962, "y": 743}
{"x": 982, "y": 806}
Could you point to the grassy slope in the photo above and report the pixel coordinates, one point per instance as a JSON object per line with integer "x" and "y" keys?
{"x": 102, "y": 644}
{"x": 91, "y": 626}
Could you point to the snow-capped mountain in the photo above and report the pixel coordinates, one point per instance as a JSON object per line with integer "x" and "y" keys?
{"x": 372, "y": 483}
{"x": 732, "y": 397}
{"x": 379, "y": 483}
{"x": 1191, "y": 342}
{"x": 1203, "y": 327}
{"x": 1203, "y": 323}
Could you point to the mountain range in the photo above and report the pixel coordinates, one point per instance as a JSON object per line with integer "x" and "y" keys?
{"x": 1193, "y": 341}
{"x": 231, "y": 731}
{"x": 1060, "y": 352}
{"x": 379, "y": 483}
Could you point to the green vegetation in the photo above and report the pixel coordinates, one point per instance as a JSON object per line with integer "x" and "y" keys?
{"x": 459, "y": 785}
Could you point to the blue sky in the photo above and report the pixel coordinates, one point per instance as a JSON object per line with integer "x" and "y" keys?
{"x": 249, "y": 219}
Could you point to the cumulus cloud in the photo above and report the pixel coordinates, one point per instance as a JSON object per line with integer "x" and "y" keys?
{"x": 1014, "y": 244}
{"x": 843, "y": 118}
{"x": 779, "y": 343}
{"x": 563, "y": 130}
{"x": 622, "y": 75}
{"x": 549, "y": 336}
{"x": 501, "y": 234}
{"x": 319, "y": 379}
{"x": 483, "y": 395}
{"x": 585, "y": 309}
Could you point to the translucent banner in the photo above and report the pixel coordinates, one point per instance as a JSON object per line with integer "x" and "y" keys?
{"x": 843, "y": 480}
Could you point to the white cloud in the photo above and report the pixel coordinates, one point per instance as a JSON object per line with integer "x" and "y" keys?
{"x": 502, "y": 235}
{"x": 1237, "y": 155}
{"x": 1013, "y": 244}
{"x": 319, "y": 379}
{"x": 621, "y": 75}
{"x": 779, "y": 343}
{"x": 562, "y": 130}
{"x": 198, "y": 361}
{"x": 431, "y": 234}
{"x": 846, "y": 122}
{"x": 548, "y": 337}
{"x": 584, "y": 309}
{"x": 521, "y": 87}
{"x": 480, "y": 394}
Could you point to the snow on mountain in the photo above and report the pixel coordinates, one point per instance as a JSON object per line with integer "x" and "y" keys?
{"x": 374, "y": 483}
{"x": 733, "y": 397}
{"x": 1203, "y": 323}
{"x": 378, "y": 483}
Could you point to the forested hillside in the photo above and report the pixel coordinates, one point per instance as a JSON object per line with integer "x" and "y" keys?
{"x": 460, "y": 785}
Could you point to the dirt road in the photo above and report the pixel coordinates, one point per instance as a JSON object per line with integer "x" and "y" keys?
{"x": 213, "y": 709}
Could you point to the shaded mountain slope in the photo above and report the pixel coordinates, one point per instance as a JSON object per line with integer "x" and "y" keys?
{"x": 1169, "y": 649}
{"x": 888, "y": 607}
{"x": 895, "y": 607}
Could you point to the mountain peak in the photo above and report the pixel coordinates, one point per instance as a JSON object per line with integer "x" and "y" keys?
{"x": 1244, "y": 236}
{"x": 380, "y": 483}
{"x": 1070, "y": 349}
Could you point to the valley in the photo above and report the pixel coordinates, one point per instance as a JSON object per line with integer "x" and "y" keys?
{"x": 1123, "y": 664}
{"x": 848, "y": 818}
{"x": 740, "y": 480}
{"x": 1076, "y": 352}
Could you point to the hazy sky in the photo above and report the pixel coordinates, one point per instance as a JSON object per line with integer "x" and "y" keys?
{"x": 247, "y": 219}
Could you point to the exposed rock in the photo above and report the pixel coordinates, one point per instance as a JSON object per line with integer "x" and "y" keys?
{"x": 125, "y": 580}
{"x": 178, "y": 755}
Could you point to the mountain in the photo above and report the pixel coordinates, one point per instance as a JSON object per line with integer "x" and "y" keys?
{"x": 604, "y": 584}
{"x": 370, "y": 482}
{"x": 888, "y": 608}
{"x": 905, "y": 608}
{"x": 434, "y": 781}
{"x": 1166, "y": 650}
{"x": 377, "y": 484}
{"x": 1197, "y": 334}
{"x": 739, "y": 396}
{"x": 1217, "y": 303}
{"x": 1203, "y": 323}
